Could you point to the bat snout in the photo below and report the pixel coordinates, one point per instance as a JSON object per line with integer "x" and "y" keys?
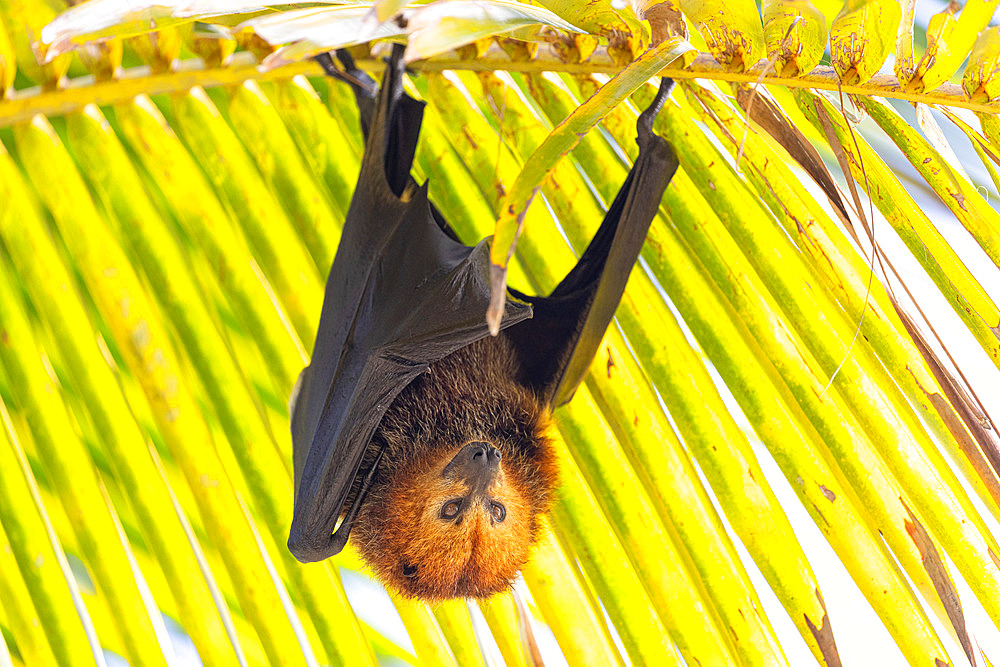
{"x": 483, "y": 453}
{"x": 477, "y": 463}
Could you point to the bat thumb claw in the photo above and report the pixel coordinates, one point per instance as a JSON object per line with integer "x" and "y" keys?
{"x": 498, "y": 298}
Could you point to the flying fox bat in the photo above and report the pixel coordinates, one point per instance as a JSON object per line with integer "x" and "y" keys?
{"x": 421, "y": 434}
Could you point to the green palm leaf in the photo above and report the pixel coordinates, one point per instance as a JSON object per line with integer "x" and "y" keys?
{"x": 166, "y": 228}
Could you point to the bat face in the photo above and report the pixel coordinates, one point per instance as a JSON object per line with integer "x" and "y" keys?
{"x": 454, "y": 531}
{"x": 456, "y": 516}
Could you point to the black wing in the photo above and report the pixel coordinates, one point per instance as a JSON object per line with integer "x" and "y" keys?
{"x": 401, "y": 294}
{"x": 557, "y": 345}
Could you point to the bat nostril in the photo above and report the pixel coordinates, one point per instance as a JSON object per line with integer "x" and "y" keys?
{"x": 479, "y": 452}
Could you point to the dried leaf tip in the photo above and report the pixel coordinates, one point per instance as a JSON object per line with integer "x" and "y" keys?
{"x": 498, "y": 298}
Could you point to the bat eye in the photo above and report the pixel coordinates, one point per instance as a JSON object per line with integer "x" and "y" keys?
{"x": 498, "y": 512}
{"x": 451, "y": 509}
{"x": 409, "y": 570}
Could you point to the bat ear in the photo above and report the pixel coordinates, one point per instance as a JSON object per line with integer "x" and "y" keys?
{"x": 557, "y": 345}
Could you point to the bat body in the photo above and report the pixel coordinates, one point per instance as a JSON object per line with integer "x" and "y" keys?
{"x": 423, "y": 436}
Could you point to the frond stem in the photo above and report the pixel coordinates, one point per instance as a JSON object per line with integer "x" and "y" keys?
{"x": 22, "y": 105}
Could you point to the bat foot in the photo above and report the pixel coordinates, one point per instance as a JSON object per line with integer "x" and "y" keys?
{"x": 644, "y": 125}
{"x": 350, "y": 74}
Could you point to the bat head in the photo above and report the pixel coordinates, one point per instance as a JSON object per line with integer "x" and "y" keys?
{"x": 468, "y": 470}
{"x": 462, "y": 527}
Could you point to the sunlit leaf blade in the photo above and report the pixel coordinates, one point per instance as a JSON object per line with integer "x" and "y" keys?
{"x": 446, "y": 24}
{"x": 850, "y": 280}
{"x": 599, "y": 17}
{"x": 110, "y": 279}
{"x": 25, "y": 625}
{"x": 262, "y": 131}
{"x": 869, "y": 477}
{"x": 456, "y": 625}
{"x": 501, "y": 615}
{"x": 949, "y": 39}
{"x": 173, "y": 170}
{"x": 672, "y": 590}
{"x": 795, "y": 35}
{"x": 575, "y": 620}
{"x": 264, "y": 471}
{"x": 386, "y": 9}
{"x": 428, "y": 641}
{"x": 883, "y": 414}
{"x": 862, "y": 37}
{"x": 111, "y": 18}
{"x": 319, "y": 138}
{"x": 44, "y": 570}
{"x": 306, "y": 32}
{"x": 23, "y": 21}
{"x": 732, "y": 30}
{"x": 990, "y": 124}
{"x": 53, "y": 294}
{"x": 258, "y": 213}
{"x": 56, "y": 442}
{"x": 643, "y": 634}
{"x": 954, "y": 189}
{"x": 966, "y": 296}
{"x": 783, "y": 428}
{"x": 981, "y": 80}
{"x": 988, "y": 155}
{"x": 8, "y": 62}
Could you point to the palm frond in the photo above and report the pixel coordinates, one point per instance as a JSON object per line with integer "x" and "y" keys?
{"x": 165, "y": 231}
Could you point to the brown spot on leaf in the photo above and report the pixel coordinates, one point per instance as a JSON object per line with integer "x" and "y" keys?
{"x": 959, "y": 199}
{"x": 665, "y": 20}
{"x": 824, "y": 635}
{"x": 611, "y": 362}
{"x": 827, "y": 493}
{"x": 937, "y": 571}
{"x": 468, "y": 137}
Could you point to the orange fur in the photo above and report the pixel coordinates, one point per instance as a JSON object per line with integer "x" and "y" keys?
{"x": 469, "y": 396}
